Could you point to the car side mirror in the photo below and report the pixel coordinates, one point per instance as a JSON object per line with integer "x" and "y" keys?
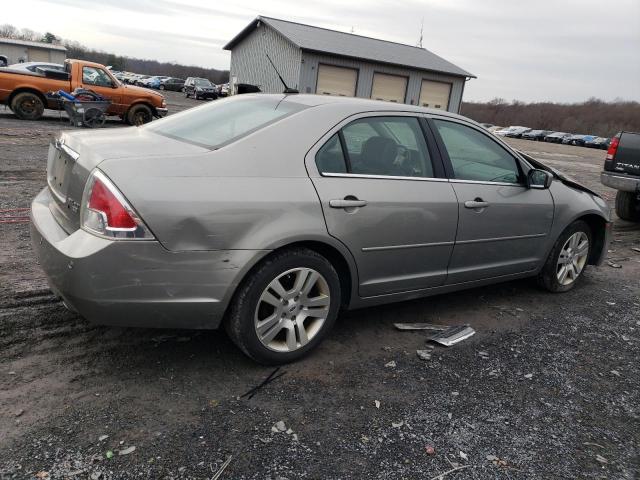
{"x": 540, "y": 179}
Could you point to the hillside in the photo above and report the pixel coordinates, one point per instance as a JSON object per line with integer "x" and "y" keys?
{"x": 591, "y": 117}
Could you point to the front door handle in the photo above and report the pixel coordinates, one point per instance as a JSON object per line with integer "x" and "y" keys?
{"x": 477, "y": 203}
{"x": 347, "y": 203}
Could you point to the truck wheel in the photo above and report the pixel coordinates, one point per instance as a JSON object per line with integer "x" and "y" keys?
{"x": 27, "y": 106}
{"x": 628, "y": 206}
{"x": 139, "y": 115}
{"x": 285, "y": 307}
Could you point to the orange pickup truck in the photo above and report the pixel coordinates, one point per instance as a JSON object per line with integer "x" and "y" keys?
{"x": 25, "y": 92}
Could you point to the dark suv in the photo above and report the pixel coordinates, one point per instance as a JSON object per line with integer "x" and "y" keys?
{"x": 622, "y": 172}
{"x": 200, "y": 88}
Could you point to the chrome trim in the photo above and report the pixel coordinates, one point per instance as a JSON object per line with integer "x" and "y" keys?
{"x": 60, "y": 145}
{"x": 399, "y": 247}
{"x": 383, "y": 177}
{"x": 501, "y": 239}
{"x": 482, "y": 182}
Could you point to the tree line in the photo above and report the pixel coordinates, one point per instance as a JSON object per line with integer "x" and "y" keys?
{"x": 592, "y": 117}
{"x": 117, "y": 62}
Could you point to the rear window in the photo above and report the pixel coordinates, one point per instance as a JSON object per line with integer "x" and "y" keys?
{"x": 223, "y": 121}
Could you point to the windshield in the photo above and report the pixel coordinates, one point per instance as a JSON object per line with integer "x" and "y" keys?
{"x": 216, "y": 124}
{"x": 202, "y": 82}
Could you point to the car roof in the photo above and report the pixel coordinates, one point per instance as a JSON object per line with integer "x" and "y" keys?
{"x": 361, "y": 104}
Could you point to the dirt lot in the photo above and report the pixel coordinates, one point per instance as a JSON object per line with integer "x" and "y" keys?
{"x": 547, "y": 388}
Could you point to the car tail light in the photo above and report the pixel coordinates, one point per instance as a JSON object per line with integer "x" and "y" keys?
{"x": 106, "y": 213}
{"x": 613, "y": 147}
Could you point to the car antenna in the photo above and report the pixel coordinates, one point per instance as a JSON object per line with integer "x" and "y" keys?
{"x": 286, "y": 89}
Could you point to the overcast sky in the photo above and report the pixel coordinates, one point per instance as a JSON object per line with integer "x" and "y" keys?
{"x": 558, "y": 50}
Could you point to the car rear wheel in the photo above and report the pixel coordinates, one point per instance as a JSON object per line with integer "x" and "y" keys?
{"x": 27, "y": 106}
{"x": 568, "y": 258}
{"x": 161, "y": 87}
{"x": 285, "y": 307}
{"x": 139, "y": 115}
{"x": 628, "y": 206}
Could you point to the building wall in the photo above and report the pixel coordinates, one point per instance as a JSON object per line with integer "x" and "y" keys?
{"x": 17, "y": 52}
{"x": 250, "y": 64}
{"x": 309, "y": 74}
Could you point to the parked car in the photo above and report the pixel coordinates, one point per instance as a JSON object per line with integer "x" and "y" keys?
{"x": 622, "y": 172}
{"x": 495, "y": 128}
{"x": 34, "y": 66}
{"x": 576, "y": 139}
{"x": 536, "y": 135}
{"x": 516, "y": 132}
{"x": 138, "y": 81}
{"x": 598, "y": 142}
{"x": 501, "y": 132}
{"x": 25, "y": 92}
{"x": 304, "y": 212}
{"x": 173, "y": 84}
{"x": 154, "y": 82}
{"x": 487, "y": 125}
{"x": 4, "y": 61}
{"x": 200, "y": 88}
{"x": 581, "y": 140}
{"x": 556, "y": 137}
{"x": 223, "y": 90}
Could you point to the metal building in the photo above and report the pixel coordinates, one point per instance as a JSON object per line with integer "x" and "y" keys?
{"x": 18, "y": 51}
{"x": 328, "y": 62}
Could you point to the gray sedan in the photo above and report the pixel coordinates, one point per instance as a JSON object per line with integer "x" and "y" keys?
{"x": 268, "y": 214}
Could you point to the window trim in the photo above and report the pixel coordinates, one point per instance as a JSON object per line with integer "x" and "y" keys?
{"x": 447, "y": 160}
{"x": 434, "y": 154}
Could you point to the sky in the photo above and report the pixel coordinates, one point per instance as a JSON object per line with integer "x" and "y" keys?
{"x": 535, "y": 50}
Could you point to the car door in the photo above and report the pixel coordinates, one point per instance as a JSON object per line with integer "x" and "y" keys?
{"x": 99, "y": 81}
{"x": 502, "y": 223}
{"x": 384, "y": 196}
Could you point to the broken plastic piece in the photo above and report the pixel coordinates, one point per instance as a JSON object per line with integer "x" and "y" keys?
{"x": 419, "y": 326}
{"x": 453, "y": 335}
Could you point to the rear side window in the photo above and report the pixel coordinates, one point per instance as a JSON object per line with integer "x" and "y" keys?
{"x": 475, "y": 156}
{"x": 381, "y": 146}
{"x": 224, "y": 121}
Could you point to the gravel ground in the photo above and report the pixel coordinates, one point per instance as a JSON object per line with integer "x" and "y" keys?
{"x": 547, "y": 388}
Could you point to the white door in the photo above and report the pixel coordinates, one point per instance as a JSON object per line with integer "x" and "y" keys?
{"x": 435, "y": 94}
{"x": 338, "y": 81}
{"x": 391, "y": 88}
{"x": 38, "y": 55}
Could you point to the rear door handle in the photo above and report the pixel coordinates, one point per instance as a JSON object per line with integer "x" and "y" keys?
{"x": 477, "y": 203}
{"x": 347, "y": 203}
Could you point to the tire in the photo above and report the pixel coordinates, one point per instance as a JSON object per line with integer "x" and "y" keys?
{"x": 161, "y": 87}
{"x": 27, "y": 106}
{"x": 186, "y": 94}
{"x": 139, "y": 115}
{"x": 551, "y": 273}
{"x": 249, "y": 309}
{"x": 628, "y": 206}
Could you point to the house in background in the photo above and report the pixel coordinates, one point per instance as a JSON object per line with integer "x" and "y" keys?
{"x": 328, "y": 62}
{"x": 18, "y": 51}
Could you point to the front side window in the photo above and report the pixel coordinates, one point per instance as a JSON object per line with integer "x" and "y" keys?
{"x": 475, "y": 156}
{"x": 96, "y": 76}
{"x": 222, "y": 122}
{"x": 387, "y": 146}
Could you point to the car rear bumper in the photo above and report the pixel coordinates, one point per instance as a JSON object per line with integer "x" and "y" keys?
{"x": 625, "y": 183}
{"x": 135, "y": 283}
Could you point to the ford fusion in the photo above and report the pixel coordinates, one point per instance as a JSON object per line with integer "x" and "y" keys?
{"x": 269, "y": 214}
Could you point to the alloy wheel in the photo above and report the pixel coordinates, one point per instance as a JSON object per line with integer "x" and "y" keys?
{"x": 572, "y": 258}
{"x": 292, "y": 309}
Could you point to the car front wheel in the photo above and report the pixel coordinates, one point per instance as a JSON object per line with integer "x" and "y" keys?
{"x": 568, "y": 258}
{"x": 285, "y": 307}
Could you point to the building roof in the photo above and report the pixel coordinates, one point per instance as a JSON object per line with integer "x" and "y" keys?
{"x": 333, "y": 42}
{"x": 27, "y": 43}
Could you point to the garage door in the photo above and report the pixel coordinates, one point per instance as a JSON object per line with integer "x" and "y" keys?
{"x": 38, "y": 55}
{"x": 435, "y": 94}
{"x": 391, "y": 88}
{"x": 336, "y": 81}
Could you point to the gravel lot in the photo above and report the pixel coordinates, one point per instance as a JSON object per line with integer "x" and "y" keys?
{"x": 547, "y": 388}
